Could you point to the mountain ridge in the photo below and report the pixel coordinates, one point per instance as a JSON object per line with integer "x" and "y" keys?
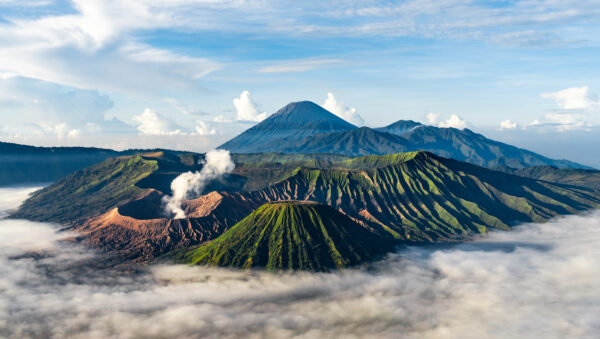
{"x": 414, "y": 197}
{"x": 284, "y": 124}
{"x": 292, "y": 235}
{"x": 305, "y": 127}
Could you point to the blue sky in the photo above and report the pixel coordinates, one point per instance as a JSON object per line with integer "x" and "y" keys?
{"x": 166, "y": 74}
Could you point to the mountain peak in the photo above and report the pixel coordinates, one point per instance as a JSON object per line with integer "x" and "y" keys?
{"x": 294, "y": 122}
{"x": 292, "y": 235}
{"x": 306, "y": 111}
{"x": 401, "y": 127}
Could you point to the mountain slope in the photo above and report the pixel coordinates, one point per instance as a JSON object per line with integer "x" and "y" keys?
{"x": 100, "y": 187}
{"x": 137, "y": 231}
{"x": 305, "y": 127}
{"x": 357, "y": 142}
{"x": 567, "y": 176}
{"x": 465, "y": 145}
{"x": 292, "y": 235}
{"x": 410, "y": 197}
{"x": 88, "y": 192}
{"x": 292, "y": 123}
{"x": 422, "y": 197}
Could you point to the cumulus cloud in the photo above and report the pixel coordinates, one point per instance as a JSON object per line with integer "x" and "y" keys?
{"x": 246, "y": 108}
{"x": 433, "y": 119}
{"x": 61, "y": 130}
{"x": 216, "y": 164}
{"x": 537, "y": 281}
{"x": 573, "y": 98}
{"x": 454, "y": 122}
{"x": 202, "y": 128}
{"x": 341, "y": 110}
{"x": 507, "y": 124}
{"x": 152, "y": 123}
{"x": 577, "y": 105}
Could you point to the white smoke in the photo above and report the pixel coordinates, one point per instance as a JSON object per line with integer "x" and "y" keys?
{"x": 216, "y": 164}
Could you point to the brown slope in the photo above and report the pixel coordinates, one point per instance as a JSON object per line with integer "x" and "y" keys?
{"x": 137, "y": 232}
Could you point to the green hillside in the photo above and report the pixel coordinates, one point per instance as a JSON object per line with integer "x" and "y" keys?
{"x": 568, "y": 176}
{"x": 292, "y": 235}
{"x": 422, "y": 197}
{"x": 87, "y": 192}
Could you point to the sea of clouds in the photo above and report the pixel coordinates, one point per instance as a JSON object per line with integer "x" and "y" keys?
{"x": 538, "y": 281}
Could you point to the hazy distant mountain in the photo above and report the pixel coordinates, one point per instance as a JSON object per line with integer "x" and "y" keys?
{"x": 466, "y": 145}
{"x": 305, "y": 127}
{"x": 29, "y": 164}
{"x": 20, "y": 164}
{"x": 292, "y": 123}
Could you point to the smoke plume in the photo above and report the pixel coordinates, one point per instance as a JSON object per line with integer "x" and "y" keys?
{"x": 216, "y": 164}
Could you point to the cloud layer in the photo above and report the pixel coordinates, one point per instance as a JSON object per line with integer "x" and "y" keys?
{"x": 538, "y": 281}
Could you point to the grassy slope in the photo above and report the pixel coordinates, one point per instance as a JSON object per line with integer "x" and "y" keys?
{"x": 292, "y": 235}
{"x": 90, "y": 191}
{"x": 567, "y": 176}
{"x": 422, "y": 197}
{"x": 416, "y": 195}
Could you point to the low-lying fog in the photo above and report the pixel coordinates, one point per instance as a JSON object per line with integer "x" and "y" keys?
{"x": 538, "y": 281}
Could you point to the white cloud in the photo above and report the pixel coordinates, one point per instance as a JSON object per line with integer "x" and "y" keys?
{"x": 454, "y": 122}
{"x": 152, "y": 123}
{"x": 432, "y": 118}
{"x": 221, "y": 119}
{"x": 30, "y": 100}
{"x": 246, "y": 108}
{"x": 576, "y": 108}
{"x": 573, "y": 98}
{"x": 341, "y": 110}
{"x": 507, "y": 124}
{"x": 61, "y": 48}
{"x": 61, "y": 130}
{"x": 202, "y": 128}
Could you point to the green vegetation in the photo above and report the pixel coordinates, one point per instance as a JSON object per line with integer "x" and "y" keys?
{"x": 88, "y": 192}
{"x": 568, "y": 176}
{"x": 414, "y": 197}
{"x": 377, "y": 161}
{"x": 423, "y": 197}
{"x": 281, "y": 158}
{"x": 292, "y": 235}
